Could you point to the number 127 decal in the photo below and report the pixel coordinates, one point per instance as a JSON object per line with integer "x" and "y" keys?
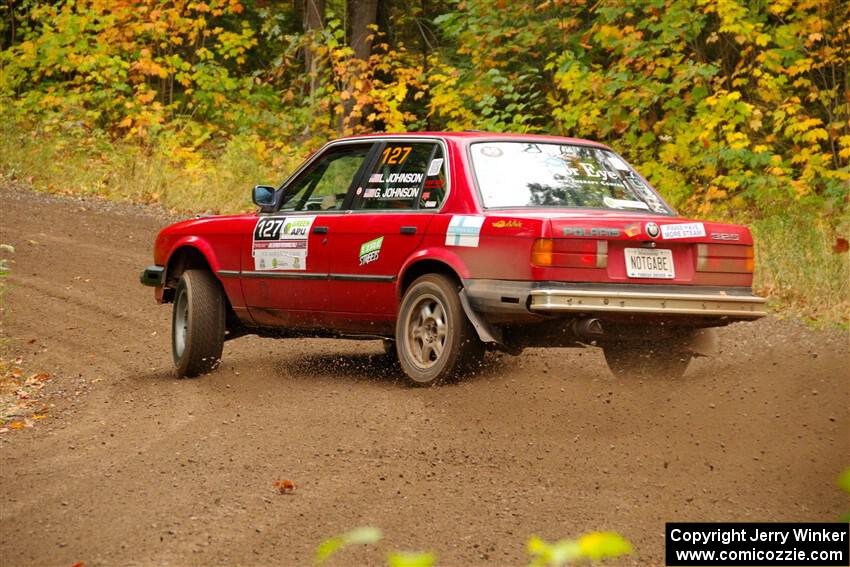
{"x": 395, "y": 156}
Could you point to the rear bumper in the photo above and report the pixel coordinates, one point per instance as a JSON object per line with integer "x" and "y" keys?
{"x": 503, "y": 298}
{"x": 152, "y": 276}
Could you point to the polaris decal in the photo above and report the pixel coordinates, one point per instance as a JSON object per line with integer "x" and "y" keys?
{"x": 591, "y": 232}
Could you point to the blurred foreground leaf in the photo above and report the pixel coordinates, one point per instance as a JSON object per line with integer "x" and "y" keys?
{"x": 400, "y": 559}
{"x": 357, "y": 536}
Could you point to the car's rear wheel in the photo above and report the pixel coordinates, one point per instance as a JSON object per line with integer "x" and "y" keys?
{"x": 434, "y": 339}
{"x": 657, "y": 359}
{"x": 197, "y": 324}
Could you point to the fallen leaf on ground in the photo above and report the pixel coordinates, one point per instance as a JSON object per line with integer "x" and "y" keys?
{"x": 285, "y": 486}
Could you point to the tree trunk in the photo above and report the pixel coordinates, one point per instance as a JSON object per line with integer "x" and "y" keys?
{"x": 363, "y": 14}
{"x": 314, "y": 17}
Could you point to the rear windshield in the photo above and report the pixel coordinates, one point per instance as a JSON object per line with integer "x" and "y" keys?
{"x": 522, "y": 174}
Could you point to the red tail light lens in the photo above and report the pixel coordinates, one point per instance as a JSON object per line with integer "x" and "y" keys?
{"x": 727, "y": 258}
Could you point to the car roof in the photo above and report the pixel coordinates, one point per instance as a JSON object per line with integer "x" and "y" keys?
{"x": 468, "y": 136}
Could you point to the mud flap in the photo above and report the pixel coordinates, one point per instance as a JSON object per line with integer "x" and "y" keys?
{"x": 486, "y": 332}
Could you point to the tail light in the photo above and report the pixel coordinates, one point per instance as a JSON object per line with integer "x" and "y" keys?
{"x": 568, "y": 253}
{"x": 727, "y": 258}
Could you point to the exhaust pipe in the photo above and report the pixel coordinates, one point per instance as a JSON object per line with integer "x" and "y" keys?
{"x": 588, "y": 328}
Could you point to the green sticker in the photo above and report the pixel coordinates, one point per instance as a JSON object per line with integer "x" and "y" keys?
{"x": 369, "y": 251}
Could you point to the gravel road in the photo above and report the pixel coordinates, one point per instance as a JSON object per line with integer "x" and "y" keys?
{"x": 134, "y": 467}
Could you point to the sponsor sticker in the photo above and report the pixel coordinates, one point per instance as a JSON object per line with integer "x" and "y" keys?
{"x": 632, "y": 229}
{"x": 370, "y": 251}
{"x": 504, "y": 223}
{"x": 624, "y": 203}
{"x": 463, "y": 230}
{"x": 435, "y": 166}
{"x": 687, "y": 230}
{"x": 618, "y": 163}
{"x": 280, "y": 243}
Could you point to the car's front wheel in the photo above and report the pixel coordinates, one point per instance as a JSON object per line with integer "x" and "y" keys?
{"x": 198, "y": 323}
{"x": 434, "y": 339}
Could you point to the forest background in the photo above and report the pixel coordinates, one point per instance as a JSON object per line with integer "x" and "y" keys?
{"x": 735, "y": 110}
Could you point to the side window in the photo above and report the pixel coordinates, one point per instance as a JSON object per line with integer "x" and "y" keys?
{"x": 407, "y": 175}
{"x": 324, "y": 185}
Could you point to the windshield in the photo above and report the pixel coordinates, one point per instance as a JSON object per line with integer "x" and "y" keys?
{"x": 522, "y": 174}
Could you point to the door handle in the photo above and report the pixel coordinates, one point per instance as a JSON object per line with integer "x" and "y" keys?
{"x": 407, "y": 230}
{"x": 320, "y": 230}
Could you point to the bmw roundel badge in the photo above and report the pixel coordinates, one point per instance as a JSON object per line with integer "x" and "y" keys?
{"x": 651, "y": 230}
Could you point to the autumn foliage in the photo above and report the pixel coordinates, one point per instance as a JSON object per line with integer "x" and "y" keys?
{"x": 725, "y": 105}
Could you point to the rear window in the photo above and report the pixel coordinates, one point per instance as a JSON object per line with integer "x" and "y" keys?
{"x": 535, "y": 175}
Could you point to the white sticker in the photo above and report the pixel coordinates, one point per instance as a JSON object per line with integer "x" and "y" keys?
{"x": 689, "y": 230}
{"x": 463, "y": 230}
{"x": 624, "y": 204}
{"x": 280, "y": 243}
{"x": 618, "y": 163}
{"x": 434, "y": 168}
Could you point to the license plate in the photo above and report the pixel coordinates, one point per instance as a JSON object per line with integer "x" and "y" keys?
{"x": 650, "y": 263}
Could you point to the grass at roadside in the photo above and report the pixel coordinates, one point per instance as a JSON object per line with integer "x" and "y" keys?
{"x": 67, "y": 159}
{"x": 795, "y": 261}
{"x": 799, "y": 268}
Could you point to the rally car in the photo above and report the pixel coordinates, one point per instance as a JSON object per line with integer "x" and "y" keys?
{"x": 444, "y": 245}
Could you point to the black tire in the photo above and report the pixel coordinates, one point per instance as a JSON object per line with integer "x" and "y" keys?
{"x": 659, "y": 359}
{"x": 434, "y": 339}
{"x": 197, "y": 323}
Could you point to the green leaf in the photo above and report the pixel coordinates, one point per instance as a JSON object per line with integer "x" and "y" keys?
{"x": 402, "y": 559}
{"x": 600, "y": 545}
{"x": 357, "y": 536}
{"x": 552, "y": 554}
{"x": 844, "y": 481}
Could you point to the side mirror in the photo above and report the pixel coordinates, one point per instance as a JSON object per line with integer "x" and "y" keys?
{"x": 263, "y": 195}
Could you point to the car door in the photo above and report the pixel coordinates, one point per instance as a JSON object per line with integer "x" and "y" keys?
{"x": 286, "y": 258}
{"x": 390, "y": 211}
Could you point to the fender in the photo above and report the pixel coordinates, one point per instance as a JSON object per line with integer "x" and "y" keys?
{"x": 199, "y": 244}
{"x": 434, "y": 253}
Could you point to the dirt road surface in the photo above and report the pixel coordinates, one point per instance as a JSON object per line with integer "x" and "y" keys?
{"x": 134, "y": 467}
